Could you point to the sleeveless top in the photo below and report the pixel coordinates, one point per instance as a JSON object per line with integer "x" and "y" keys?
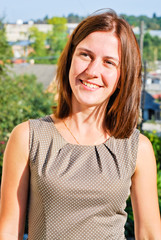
{"x": 78, "y": 192}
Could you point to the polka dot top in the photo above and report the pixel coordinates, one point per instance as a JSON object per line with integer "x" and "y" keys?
{"x": 76, "y": 191}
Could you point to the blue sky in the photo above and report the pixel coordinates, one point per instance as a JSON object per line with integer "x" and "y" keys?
{"x": 34, "y": 9}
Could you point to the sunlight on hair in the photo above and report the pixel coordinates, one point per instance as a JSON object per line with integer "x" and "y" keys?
{"x": 102, "y": 11}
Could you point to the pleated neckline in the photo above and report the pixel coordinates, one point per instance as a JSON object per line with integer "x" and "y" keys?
{"x": 80, "y": 145}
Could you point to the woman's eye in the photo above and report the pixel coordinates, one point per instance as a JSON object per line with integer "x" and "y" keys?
{"x": 86, "y": 55}
{"x": 110, "y": 63}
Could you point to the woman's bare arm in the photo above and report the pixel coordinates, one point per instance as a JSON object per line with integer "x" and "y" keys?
{"x": 144, "y": 194}
{"x": 14, "y": 188}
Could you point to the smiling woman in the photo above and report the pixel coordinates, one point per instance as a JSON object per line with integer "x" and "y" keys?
{"x": 123, "y": 55}
{"x": 79, "y": 165}
{"x": 94, "y": 71}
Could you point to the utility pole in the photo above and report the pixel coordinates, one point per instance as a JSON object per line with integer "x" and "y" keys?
{"x": 144, "y": 77}
{"x": 141, "y": 38}
{"x": 143, "y": 94}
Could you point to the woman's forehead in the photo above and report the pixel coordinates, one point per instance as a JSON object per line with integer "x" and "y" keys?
{"x": 102, "y": 43}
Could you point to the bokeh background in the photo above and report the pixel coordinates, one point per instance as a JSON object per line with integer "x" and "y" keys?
{"x": 32, "y": 37}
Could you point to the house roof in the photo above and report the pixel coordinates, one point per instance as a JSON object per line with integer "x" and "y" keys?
{"x": 22, "y": 43}
{"x": 45, "y": 73}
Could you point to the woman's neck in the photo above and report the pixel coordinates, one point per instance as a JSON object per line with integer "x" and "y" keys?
{"x": 88, "y": 117}
{"x": 87, "y": 126}
{"x": 84, "y": 126}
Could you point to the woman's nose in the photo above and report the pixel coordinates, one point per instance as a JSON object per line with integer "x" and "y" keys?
{"x": 93, "y": 69}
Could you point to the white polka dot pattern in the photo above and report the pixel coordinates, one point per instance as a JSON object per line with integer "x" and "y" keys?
{"x": 78, "y": 192}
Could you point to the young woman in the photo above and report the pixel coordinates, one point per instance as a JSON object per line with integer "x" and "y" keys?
{"x": 79, "y": 165}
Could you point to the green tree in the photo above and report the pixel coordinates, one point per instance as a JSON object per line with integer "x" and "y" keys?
{"x": 57, "y": 38}
{"x": 74, "y": 18}
{"x": 156, "y": 142}
{"x": 21, "y": 98}
{"x": 152, "y": 47}
{"x": 5, "y": 49}
{"x": 159, "y": 53}
{"x": 153, "y": 23}
{"x": 39, "y": 49}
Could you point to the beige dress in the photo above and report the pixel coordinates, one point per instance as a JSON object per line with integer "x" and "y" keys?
{"x": 77, "y": 191}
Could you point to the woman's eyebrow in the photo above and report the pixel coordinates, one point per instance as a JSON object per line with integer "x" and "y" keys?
{"x": 90, "y": 52}
{"x": 85, "y": 49}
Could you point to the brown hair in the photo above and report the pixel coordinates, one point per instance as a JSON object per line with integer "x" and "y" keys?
{"x": 122, "y": 111}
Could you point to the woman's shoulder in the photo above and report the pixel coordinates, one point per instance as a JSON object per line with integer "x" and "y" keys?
{"x": 18, "y": 143}
{"x": 145, "y": 153}
{"x": 24, "y": 133}
{"x": 144, "y": 143}
{"x": 21, "y": 131}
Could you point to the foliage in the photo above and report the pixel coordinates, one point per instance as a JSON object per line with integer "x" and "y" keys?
{"x": 38, "y": 45}
{"x": 159, "y": 186}
{"x": 74, "y": 18}
{"x": 2, "y": 147}
{"x": 57, "y": 38}
{"x": 5, "y": 49}
{"x": 21, "y": 98}
{"x": 152, "y": 44}
{"x": 5, "y": 55}
{"x": 156, "y": 142}
{"x": 153, "y": 23}
{"x": 129, "y": 227}
{"x": 47, "y": 47}
{"x": 152, "y": 47}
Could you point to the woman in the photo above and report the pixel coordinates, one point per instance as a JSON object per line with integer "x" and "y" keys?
{"x": 81, "y": 163}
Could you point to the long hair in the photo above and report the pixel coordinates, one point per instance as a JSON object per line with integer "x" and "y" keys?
{"x": 122, "y": 111}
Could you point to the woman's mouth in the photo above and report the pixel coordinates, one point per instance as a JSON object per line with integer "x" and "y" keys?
{"x": 90, "y": 85}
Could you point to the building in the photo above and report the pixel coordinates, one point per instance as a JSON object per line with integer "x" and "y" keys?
{"x": 151, "y": 109}
{"x": 18, "y": 35}
{"x": 20, "y": 32}
{"x": 153, "y": 83}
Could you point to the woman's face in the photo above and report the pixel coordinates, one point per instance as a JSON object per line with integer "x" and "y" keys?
{"x": 95, "y": 69}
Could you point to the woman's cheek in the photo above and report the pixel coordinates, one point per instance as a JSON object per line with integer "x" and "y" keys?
{"x": 80, "y": 65}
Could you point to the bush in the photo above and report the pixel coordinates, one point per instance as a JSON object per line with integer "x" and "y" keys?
{"x": 21, "y": 98}
{"x": 156, "y": 142}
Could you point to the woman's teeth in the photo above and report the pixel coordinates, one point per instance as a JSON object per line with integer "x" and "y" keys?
{"x": 90, "y": 85}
